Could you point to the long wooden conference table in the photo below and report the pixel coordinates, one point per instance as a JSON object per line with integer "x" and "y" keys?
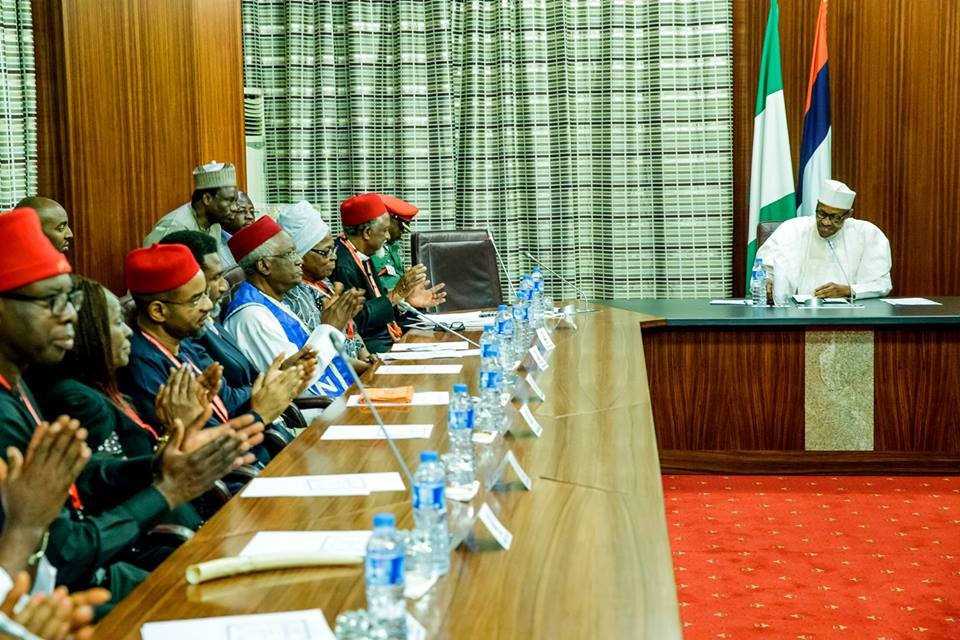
{"x": 590, "y": 556}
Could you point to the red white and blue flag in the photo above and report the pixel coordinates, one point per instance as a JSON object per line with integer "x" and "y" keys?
{"x": 815, "y": 144}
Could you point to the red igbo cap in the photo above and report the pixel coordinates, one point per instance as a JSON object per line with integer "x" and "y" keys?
{"x": 159, "y": 267}
{"x": 252, "y": 236}
{"x": 399, "y": 208}
{"x": 28, "y": 255}
{"x": 362, "y": 208}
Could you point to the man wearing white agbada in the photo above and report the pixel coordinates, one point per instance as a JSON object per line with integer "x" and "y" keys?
{"x": 829, "y": 255}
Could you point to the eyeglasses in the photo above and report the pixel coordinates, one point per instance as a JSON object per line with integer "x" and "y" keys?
{"x": 323, "y": 253}
{"x": 56, "y": 303}
{"x": 834, "y": 218}
{"x": 291, "y": 255}
{"x": 193, "y": 302}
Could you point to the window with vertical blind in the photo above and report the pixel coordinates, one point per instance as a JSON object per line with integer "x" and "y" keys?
{"x": 597, "y": 135}
{"x": 18, "y": 104}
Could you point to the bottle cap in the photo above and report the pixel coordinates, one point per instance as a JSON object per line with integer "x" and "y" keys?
{"x": 384, "y": 520}
{"x": 488, "y": 327}
{"x": 459, "y": 388}
{"x": 502, "y": 307}
{"x": 428, "y": 456}
{"x": 536, "y": 269}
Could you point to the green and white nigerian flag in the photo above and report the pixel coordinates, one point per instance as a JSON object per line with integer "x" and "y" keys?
{"x": 771, "y": 173}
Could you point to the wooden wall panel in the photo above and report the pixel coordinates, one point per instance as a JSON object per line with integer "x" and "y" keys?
{"x": 895, "y": 89}
{"x": 132, "y": 94}
{"x": 726, "y": 389}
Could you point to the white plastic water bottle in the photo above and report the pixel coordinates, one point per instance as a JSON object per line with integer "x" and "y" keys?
{"x": 462, "y": 469}
{"x": 490, "y": 415}
{"x": 383, "y": 571}
{"x": 503, "y": 322}
{"x": 430, "y": 509}
{"x": 758, "y": 284}
{"x": 537, "y": 279}
{"x": 521, "y": 324}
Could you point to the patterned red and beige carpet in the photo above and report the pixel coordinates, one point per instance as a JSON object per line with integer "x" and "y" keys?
{"x": 810, "y": 557}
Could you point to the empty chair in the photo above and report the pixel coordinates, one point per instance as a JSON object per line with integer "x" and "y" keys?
{"x": 463, "y": 259}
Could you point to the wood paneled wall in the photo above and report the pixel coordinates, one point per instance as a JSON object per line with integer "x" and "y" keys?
{"x": 132, "y": 94}
{"x": 895, "y": 90}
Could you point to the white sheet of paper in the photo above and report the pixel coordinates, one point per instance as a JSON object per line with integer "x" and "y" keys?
{"x": 288, "y": 625}
{"x": 738, "y": 301}
{"x": 346, "y": 484}
{"x": 535, "y": 387}
{"x": 420, "y": 398}
{"x": 544, "y": 337}
{"x": 373, "y": 432}
{"x": 802, "y": 298}
{"x": 305, "y": 542}
{"x": 538, "y": 358}
{"x": 484, "y": 437}
{"x": 470, "y": 319}
{"x": 430, "y": 346}
{"x": 531, "y": 421}
{"x": 910, "y": 302}
{"x": 494, "y": 526}
{"x": 428, "y": 355}
{"x": 463, "y": 493}
{"x": 418, "y": 369}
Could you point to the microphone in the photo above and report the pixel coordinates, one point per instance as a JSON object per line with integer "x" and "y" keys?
{"x": 340, "y": 345}
{"x": 580, "y": 293}
{"x": 409, "y": 308}
{"x": 503, "y": 267}
{"x": 842, "y": 270}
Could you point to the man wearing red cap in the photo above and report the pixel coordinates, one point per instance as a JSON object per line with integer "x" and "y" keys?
{"x": 257, "y": 316}
{"x": 387, "y": 262}
{"x": 37, "y": 311}
{"x": 170, "y": 292}
{"x": 365, "y": 222}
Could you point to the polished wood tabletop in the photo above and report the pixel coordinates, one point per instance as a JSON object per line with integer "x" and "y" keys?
{"x": 590, "y": 556}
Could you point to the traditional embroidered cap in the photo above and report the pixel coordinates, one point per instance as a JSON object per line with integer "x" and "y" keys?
{"x": 361, "y": 208}
{"x": 252, "y": 236}
{"x": 214, "y": 175}
{"x": 304, "y": 224}
{"x": 159, "y": 268}
{"x": 835, "y": 194}
{"x": 28, "y": 255}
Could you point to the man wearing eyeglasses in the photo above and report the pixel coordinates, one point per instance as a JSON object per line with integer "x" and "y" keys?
{"x": 214, "y": 202}
{"x": 830, "y": 254}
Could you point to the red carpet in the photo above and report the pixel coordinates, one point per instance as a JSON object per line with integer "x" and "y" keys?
{"x": 816, "y": 557}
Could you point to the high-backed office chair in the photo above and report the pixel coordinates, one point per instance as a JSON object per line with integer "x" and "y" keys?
{"x": 463, "y": 259}
{"x": 765, "y": 230}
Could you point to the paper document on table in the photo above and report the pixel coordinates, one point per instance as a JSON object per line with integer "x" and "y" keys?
{"x": 418, "y": 369}
{"x": 430, "y": 346}
{"x": 428, "y": 355}
{"x": 420, "y": 398}
{"x": 353, "y": 543}
{"x": 346, "y": 484}
{"x": 910, "y": 302}
{"x": 288, "y": 625}
{"x": 469, "y": 319}
{"x": 373, "y": 432}
{"x": 739, "y": 301}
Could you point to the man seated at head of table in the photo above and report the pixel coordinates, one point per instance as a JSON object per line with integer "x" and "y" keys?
{"x": 212, "y": 206}
{"x": 830, "y": 254}
{"x": 94, "y": 540}
{"x": 264, "y": 326}
{"x": 170, "y": 292}
{"x": 318, "y": 300}
{"x": 366, "y": 223}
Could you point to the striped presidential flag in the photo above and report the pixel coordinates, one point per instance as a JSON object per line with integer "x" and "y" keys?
{"x": 815, "y": 143}
{"x": 771, "y": 171}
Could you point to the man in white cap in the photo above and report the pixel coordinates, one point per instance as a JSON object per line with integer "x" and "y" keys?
{"x": 214, "y": 199}
{"x": 830, "y": 254}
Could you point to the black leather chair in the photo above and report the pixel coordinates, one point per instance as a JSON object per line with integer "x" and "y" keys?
{"x": 463, "y": 259}
{"x": 765, "y": 230}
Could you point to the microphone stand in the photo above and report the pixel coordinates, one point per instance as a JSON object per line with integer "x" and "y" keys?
{"x": 340, "y": 345}
{"x": 580, "y": 293}
{"x": 836, "y": 258}
{"x": 409, "y": 308}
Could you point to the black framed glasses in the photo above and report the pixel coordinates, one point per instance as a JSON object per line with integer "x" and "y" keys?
{"x": 323, "y": 253}
{"x": 55, "y": 303}
{"x": 834, "y": 218}
{"x": 193, "y": 302}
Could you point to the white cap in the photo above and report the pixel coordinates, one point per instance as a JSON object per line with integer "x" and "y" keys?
{"x": 304, "y": 225}
{"x": 835, "y": 194}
